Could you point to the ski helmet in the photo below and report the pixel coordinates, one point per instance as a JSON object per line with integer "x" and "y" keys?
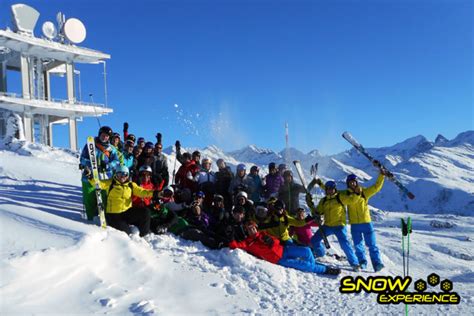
{"x": 122, "y": 169}
{"x": 241, "y": 167}
{"x": 254, "y": 169}
{"x": 218, "y": 198}
{"x": 131, "y": 137}
{"x": 116, "y": 135}
{"x": 242, "y": 194}
{"x": 330, "y": 184}
{"x": 261, "y": 211}
{"x": 351, "y": 177}
{"x": 168, "y": 188}
{"x": 106, "y": 130}
{"x": 145, "y": 168}
{"x": 141, "y": 140}
{"x": 271, "y": 166}
{"x": 199, "y": 194}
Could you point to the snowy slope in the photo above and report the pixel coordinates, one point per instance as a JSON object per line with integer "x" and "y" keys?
{"x": 55, "y": 263}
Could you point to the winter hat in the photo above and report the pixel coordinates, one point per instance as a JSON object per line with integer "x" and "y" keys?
{"x": 254, "y": 169}
{"x": 271, "y": 166}
{"x": 148, "y": 145}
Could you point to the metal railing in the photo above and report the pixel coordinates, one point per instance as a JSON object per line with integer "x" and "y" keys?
{"x": 53, "y": 100}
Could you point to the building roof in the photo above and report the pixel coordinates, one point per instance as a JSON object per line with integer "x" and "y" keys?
{"x": 44, "y": 48}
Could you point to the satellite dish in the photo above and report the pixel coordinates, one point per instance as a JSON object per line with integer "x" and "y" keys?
{"x": 49, "y": 30}
{"x": 74, "y": 30}
{"x": 24, "y": 18}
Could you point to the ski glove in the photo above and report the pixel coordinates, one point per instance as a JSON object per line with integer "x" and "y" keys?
{"x": 161, "y": 229}
{"x": 268, "y": 240}
{"x": 87, "y": 173}
{"x": 178, "y": 145}
{"x": 125, "y": 127}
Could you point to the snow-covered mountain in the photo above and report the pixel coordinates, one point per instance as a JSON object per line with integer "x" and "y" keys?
{"x": 440, "y": 173}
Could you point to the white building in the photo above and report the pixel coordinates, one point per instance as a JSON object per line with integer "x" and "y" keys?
{"x": 36, "y": 59}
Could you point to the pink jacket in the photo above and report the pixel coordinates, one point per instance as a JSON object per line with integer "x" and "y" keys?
{"x": 304, "y": 233}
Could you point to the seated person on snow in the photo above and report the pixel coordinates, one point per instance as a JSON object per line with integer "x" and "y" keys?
{"x": 119, "y": 212}
{"x": 265, "y": 246}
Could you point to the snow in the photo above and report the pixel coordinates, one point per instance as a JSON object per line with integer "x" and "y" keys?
{"x": 54, "y": 262}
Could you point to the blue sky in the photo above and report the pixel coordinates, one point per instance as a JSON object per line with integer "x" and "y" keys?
{"x": 238, "y": 70}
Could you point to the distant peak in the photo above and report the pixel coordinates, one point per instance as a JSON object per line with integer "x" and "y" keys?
{"x": 440, "y": 139}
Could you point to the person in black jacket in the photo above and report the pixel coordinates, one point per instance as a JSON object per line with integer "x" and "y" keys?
{"x": 289, "y": 192}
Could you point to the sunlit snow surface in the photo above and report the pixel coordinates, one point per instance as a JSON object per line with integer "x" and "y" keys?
{"x": 53, "y": 262}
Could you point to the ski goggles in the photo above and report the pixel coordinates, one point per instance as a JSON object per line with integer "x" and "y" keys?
{"x": 121, "y": 174}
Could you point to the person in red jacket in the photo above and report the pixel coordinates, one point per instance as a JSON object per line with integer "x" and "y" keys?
{"x": 267, "y": 247}
{"x": 144, "y": 180}
{"x": 185, "y": 177}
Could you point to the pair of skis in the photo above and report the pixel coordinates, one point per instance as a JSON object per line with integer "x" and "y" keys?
{"x": 95, "y": 174}
{"x": 347, "y": 136}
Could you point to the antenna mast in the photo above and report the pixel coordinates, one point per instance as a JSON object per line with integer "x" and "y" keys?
{"x": 287, "y": 150}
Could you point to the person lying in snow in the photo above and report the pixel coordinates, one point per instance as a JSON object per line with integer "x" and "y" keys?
{"x": 267, "y": 247}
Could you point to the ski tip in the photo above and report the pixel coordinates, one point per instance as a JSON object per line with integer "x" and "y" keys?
{"x": 296, "y": 162}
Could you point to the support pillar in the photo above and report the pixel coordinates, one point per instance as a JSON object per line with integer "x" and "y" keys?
{"x": 50, "y": 134}
{"x": 73, "y": 133}
{"x": 3, "y": 76}
{"x": 70, "y": 82}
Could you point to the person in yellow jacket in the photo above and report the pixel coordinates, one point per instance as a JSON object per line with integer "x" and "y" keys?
{"x": 362, "y": 228}
{"x": 278, "y": 222}
{"x": 332, "y": 208}
{"x": 119, "y": 212}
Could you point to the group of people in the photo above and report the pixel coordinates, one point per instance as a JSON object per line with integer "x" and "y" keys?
{"x": 261, "y": 215}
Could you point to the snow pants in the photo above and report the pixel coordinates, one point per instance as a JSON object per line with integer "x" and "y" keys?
{"x": 137, "y": 216}
{"x": 300, "y": 258}
{"x": 365, "y": 232}
{"x": 341, "y": 234}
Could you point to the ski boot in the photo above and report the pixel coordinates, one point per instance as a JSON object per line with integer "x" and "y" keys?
{"x": 332, "y": 271}
{"x": 378, "y": 267}
{"x": 356, "y": 268}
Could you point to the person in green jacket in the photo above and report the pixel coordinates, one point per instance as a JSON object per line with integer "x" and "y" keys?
{"x": 332, "y": 208}
{"x": 362, "y": 229}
